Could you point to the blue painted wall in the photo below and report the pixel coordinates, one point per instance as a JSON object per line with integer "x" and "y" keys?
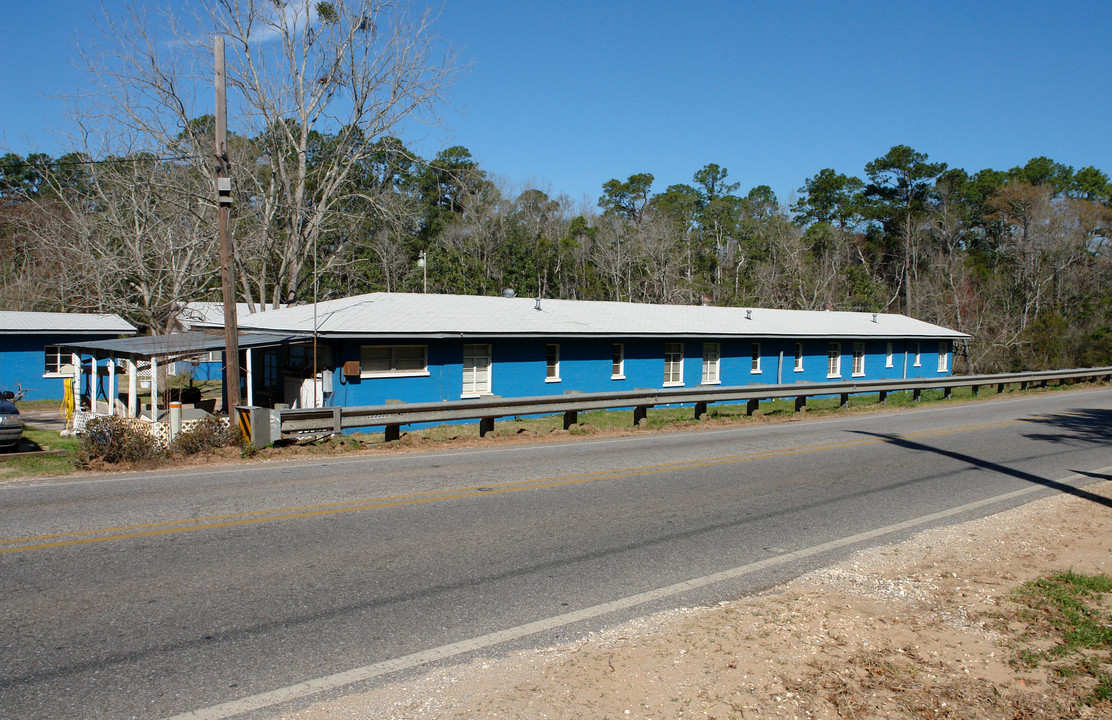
{"x": 22, "y": 362}
{"x": 519, "y": 366}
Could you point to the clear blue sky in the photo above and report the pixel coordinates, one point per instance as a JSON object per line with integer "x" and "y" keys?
{"x": 567, "y": 95}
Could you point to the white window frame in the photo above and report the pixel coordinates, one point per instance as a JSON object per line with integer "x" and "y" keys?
{"x": 755, "y": 365}
{"x": 888, "y": 356}
{"x": 60, "y": 359}
{"x": 917, "y": 354}
{"x": 834, "y": 360}
{"x": 799, "y": 357}
{"x": 618, "y": 361}
{"x": 673, "y": 364}
{"x": 393, "y": 371}
{"x": 552, "y": 363}
{"x": 476, "y": 390}
{"x": 712, "y": 363}
{"x": 859, "y": 359}
{"x": 943, "y": 356}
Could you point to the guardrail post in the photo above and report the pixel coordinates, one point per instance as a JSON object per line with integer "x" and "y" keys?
{"x": 915, "y": 394}
{"x": 571, "y": 417}
{"x": 800, "y": 402}
{"x": 946, "y": 392}
{"x": 1023, "y": 385}
{"x": 999, "y": 388}
{"x": 700, "y": 410}
{"x": 641, "y": 415}
{"x": 486, "y": 425}
{"x": 393, "y": 432}
{"x": 751, "y": 406}
{"x": 843, "y": 401}
{"x": 337, "y": 423}
{"x": 976, "y": 390}
{"x": 883, "y": 397}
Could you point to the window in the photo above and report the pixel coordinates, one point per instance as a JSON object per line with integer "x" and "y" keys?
{"x": 799, "y": 357}
{"x": 552, "y": 369}
{"x": 54, "y": 359}
{"x": 888, "y": 356}
{"x": 673, "y": 363}
{"x": 617, "y": 367}
{"x": 476, "y": 370}
{"x": 397, "y": 360}
{"x": 943, "y": 356}
{"x": 712, "y": 354}
{"x": 915, "y": 348}
{"x": 834, "y": 360}
{"x": 299, "y": 358}
{"x": 756, "y": 368}
{"x": 858, "y": 359}
{"x": 271, "y": 376}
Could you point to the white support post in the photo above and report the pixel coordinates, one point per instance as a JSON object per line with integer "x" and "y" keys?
{"x": 111, "y": 386}
{"x": 250, "y": 379}
{"x": 154, "y": 390}
{"x": 93, "y": 384}
{"x": 75, "y": 360}
{"x": 132, "y": 388}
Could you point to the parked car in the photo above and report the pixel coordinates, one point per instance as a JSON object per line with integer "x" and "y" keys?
{"x": 11, "y": 424}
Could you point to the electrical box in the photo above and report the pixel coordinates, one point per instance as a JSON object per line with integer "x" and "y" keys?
{"x": 326, "y": 381}
{"x": 351, "y": 368}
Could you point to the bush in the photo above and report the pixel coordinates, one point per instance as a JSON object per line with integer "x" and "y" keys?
{"x": 113, "y": 440}
{"x": 209, "y": 434}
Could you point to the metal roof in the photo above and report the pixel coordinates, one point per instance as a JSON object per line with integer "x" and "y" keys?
{"x": 204, "y": 313}
{"x": 400, "y": 315}
{"x": 39, "y": 323}
{"x": 173, "y": 347}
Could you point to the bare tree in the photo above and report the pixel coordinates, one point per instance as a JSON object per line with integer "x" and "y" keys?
{"x": 312, "y": 87}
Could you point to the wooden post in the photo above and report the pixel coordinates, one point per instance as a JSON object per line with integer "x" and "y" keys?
{"x": 640, "y": 415}
{"x": 800, "y": 402}
{"x": 700, "y": 410}
{"x": 250, "y": 378}
{"x": 486, "y": 425}
{"x": 571, "y": 417}
{"x": 154, "y": 390}
{"x": 224, "y": 222}
{"x": 976, "y": 390}
{"x": 132, "y": 388}
{"x": 751, "y": 406}
{"x": 946, "y": 392}
{"x": 843, "y": 401}
{"x": 392, "y": 432}
{"x": 111, "y": 386}
{"x": 883, "y": 397}
{"x": 916, "y": 394}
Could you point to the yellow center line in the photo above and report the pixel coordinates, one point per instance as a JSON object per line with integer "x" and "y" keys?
{"x": 85, "y": 537}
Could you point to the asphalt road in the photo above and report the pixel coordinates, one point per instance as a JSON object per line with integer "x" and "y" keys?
{"x": 221, "y": 592}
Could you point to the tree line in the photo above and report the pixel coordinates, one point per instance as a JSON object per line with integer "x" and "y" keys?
{"x": 329, "y": 202}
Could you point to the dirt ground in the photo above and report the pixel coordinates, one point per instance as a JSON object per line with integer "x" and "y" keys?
{"x": 921, "y": 629}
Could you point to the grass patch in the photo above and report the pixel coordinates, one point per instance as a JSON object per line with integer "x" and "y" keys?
{"x": 31, "y": 465}
{"x": 1069, "y": 630}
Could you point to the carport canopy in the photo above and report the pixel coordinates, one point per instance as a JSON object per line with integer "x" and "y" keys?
{"x": 156, "y": 349}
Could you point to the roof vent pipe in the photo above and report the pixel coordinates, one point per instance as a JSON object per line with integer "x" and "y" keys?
{"x": 538, "y": 305}
{"x": 874, "y": 317}
{"x": 748, "y": 314}
{"x": 508, "y": 293}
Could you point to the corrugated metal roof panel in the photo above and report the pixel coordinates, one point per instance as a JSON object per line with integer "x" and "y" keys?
{"x": 405, "y": 314}
{"x": 24, "y": 323}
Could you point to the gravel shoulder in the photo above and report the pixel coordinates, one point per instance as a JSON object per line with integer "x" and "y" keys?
{"x": 920, "y": 629}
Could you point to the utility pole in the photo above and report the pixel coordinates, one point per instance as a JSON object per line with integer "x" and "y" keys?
{"x": 224, "y": 219}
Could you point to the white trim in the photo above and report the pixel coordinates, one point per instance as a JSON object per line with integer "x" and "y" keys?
{"x": 888, "y": 359}
{"x": 917, "y": 354}
{"x": 392, "y": 373}
{"x": 798, "y": 366}
{"x": 620, "y": 375}
{"x": 755, "y": 362}
{"x": 713, "y": 363}
{"x": 835, "y": 358}
{"x": 670, "y": 365}
{"x": 858, "y": 359}
{"x": 555, "y": 366}
{"x": 476, "y": 390}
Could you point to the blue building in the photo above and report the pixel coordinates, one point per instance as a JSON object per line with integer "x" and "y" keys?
{"x": 384, "y": 347}
{"x": 30, "y": 356}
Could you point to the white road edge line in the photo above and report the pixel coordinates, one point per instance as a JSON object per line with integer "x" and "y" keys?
{"x": 407, "y": 662}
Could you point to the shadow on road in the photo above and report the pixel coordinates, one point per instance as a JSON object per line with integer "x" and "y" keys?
{"x": 995, "y": 467}
{"x": 1091, "y": 425}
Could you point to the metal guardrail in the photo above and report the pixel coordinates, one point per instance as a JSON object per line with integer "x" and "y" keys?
{"x": 314, "y": 421}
